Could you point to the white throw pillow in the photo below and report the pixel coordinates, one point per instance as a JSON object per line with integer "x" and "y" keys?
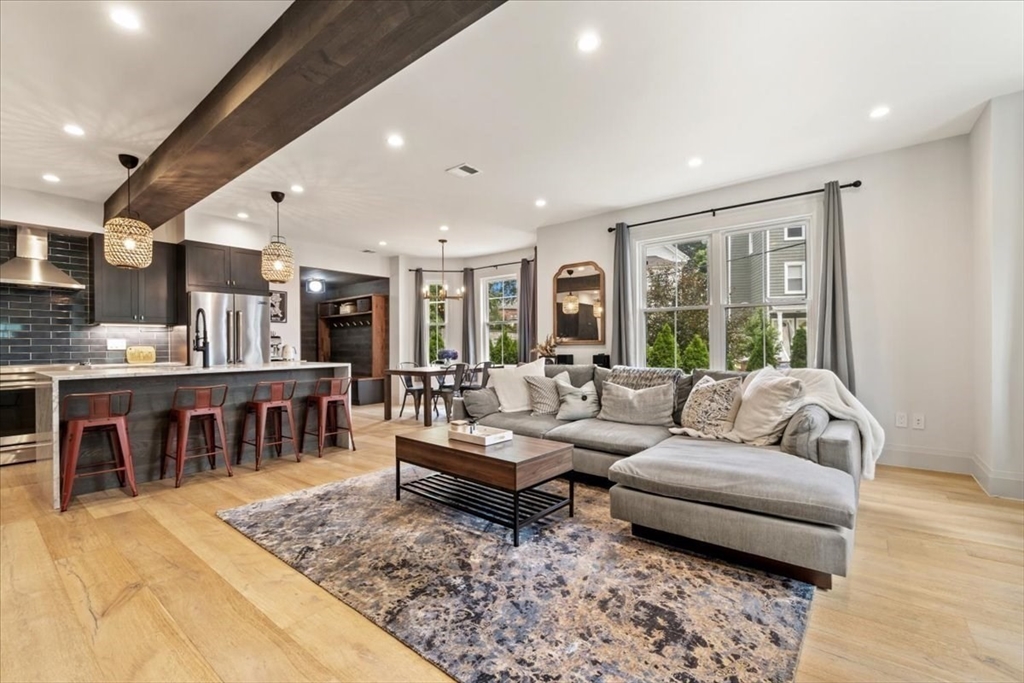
{"x": 510, "y": 384}
{"x": 577, "y": 403}
{"x": 770, "y": 399}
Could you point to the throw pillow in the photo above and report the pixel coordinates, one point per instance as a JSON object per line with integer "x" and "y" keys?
{"x": 510, "y": 385}
{"x": 600, "y": 377}
{"x": 544, "y": 393}
{"x": 803, "y": 431}
{"x": 769, "y": 400}
{"x": 711, "y": 408}
{"x": 652, "y": 406}
{"x": 644, "y": 378}
{"x": 480, "y": 403}
{"x": 577, "y": 403}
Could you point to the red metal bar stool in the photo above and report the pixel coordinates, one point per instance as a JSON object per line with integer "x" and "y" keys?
{"x": 104, "y": 412}
{"x": 270, "y": 400}
{"x": 205, "y": 406}
{"x": 329, "y": 394}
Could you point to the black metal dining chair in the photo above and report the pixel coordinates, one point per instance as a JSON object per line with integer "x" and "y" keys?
{"x": 412, "y": 388}
{"x": 448, "y": 387}
{"x": 475, "y": 377}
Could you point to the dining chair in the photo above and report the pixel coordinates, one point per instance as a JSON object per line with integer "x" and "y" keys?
{"x": 475, "y": 378}
{"x": 412, "y": 388}
{"x": 448, "y": 386}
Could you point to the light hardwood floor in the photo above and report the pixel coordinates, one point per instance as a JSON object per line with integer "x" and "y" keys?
{"x": 157, "y": 588}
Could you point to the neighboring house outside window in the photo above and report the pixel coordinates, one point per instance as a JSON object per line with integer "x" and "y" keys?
{"x": 736, "y": 296}
{"x": 500, "y": 319}
{"x": 437, "y": 323}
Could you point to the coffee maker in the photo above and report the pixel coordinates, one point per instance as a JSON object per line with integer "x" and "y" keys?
{"x": 275, "y": 347}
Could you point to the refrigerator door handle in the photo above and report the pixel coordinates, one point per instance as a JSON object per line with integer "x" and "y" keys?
{"x": 238, "y": 336}
{"x": 231, "y": 337}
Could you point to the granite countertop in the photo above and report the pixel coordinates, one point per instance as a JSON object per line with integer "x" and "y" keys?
{"x": 72, "y": 372}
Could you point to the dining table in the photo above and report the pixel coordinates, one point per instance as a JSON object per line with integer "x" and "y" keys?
{"x": 425, "y": 373}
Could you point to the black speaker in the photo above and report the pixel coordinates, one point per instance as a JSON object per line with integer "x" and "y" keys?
{"x": 602, "y": 360}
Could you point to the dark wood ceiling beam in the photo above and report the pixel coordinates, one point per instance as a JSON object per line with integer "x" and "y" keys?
{"x": 318, "y": 57}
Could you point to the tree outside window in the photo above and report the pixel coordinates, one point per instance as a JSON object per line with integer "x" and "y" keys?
{"x": 676, "y": 304}
{"x": 437, "y": 322}
{"x": 501, "y": 323}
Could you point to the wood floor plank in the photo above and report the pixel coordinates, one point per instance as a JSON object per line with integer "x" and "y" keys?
{"x": 935, "y": 592}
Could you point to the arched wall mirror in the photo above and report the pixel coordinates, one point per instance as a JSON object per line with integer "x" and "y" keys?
{"x": 579, "y": 304}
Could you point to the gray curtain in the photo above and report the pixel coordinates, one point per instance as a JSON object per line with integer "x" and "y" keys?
{"x": 834, "y": 350}
{"x": 527, "y": 309}
{"x": 469, "y": 324}
{"x": 624, "y": 349}
{"x": 419, "y": 353}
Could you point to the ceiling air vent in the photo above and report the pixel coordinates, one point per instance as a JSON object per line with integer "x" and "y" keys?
{"x": 462, "y": 170}
{"x": 369, "y": 251}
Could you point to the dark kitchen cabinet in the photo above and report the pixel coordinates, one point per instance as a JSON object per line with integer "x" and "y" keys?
{"x": 121, "y": 295}
{"x": 218, "y": 268}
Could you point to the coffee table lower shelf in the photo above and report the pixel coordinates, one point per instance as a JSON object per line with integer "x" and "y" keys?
{"x": 513, "y": 510}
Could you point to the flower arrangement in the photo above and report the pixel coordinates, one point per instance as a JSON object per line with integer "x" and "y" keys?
{"x": 448, "y": 355}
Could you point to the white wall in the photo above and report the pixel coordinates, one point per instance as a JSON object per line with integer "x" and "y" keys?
{"x": 908, "y": 239}
{"x": 997, "y": 165}
{"x": 28, "y": 207}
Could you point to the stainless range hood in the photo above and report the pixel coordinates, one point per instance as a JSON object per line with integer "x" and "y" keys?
{"x": 29, "y": 268}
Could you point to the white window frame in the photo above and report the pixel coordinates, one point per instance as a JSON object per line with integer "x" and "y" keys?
{"x": 427, "y": 303}
{"x": 787, "y": 238}
{"x": 717, "y": 230}
{"x": 484, "y": 310}
{"x": 802, "y": 265}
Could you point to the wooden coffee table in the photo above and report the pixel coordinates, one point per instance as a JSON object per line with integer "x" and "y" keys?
{"x": 496, "y": 483}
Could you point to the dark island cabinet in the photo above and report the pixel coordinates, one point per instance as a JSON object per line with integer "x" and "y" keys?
{"x": 218, "y": 268}
{"x": 121, "y": 295}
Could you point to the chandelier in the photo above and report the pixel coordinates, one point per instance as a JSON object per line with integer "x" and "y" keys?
{"x": 571, "y": 302}
{"x": 277, "y": 263}
{"x": 127, "y": 241}
{"x": 442, "y": 293}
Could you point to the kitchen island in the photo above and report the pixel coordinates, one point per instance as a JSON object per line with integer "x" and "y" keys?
{"x": 153, "y": 387}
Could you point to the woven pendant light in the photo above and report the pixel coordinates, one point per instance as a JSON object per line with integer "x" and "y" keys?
{"x": 571, "y": 302}
{"x": 278, "y": 262}
{"x": 127, "y": 241}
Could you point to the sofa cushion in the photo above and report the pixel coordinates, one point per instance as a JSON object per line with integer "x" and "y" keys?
{"x": 643, "y": 378}
{"x": 510, "y": 384}
{"x": 609, "y": 437}
{"x": 769, "y": 400}
{"x": 711, "y": 408}
{"x": 522, "y": 423}
{"x": 651, "y": 406}
{"x": 578, "y": 374}
{"x": 544, "y": 393}
{"x": 577, "y": 403}
{"x": 804, "y": 430}
{"x": 742, "y": 477}
{"x": 480, "y": 402}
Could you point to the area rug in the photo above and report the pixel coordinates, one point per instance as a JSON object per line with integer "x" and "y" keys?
{"x": 579, "y": 600}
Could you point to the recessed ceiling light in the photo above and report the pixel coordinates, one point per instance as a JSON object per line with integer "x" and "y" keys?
{"x": 382, "y": 243}
{"x": 588, "y": 42}
{"x": 540, "y": 203}
{"x": 879, "y": 112}
{"x": 72, "y": 129}
{"x": 243, "y": 214}
{"x": 444, "y": 228}
{"x": 695, "y": 162}
{"x": 396, "y": 140}
{"x": 298, "y": 189}
{"x": 50, "y": 178}
{"x": 126, "y": 18}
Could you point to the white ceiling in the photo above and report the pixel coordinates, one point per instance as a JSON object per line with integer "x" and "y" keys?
{"x": 754, "y": 89}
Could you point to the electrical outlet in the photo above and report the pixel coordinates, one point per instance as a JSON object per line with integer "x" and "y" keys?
{"x": 117, "y": 344}
{"x": 918, "y": 422}
{"x": 901, "y": 420}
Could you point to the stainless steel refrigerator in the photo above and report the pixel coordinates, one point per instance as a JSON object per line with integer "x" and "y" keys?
{"x": 238, "y": 327}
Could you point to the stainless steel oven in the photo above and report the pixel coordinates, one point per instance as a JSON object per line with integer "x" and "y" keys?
{"x": 18, "y": 437}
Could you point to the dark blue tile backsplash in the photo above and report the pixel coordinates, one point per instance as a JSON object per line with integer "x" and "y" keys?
{"x": 43, "y": 326}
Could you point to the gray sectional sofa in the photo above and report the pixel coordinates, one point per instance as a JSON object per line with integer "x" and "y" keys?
{"x": 754, "y": 503}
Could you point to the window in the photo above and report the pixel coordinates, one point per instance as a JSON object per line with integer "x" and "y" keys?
{"x": 501, "y": 319}
{"x": 437, "y": 322}
{"x": 734, "y": 298}
{"x": 675, "y": 308}
{"x": 794, "y": 274}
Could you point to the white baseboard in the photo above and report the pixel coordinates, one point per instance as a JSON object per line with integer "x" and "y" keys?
{"x": 996, "y": 483}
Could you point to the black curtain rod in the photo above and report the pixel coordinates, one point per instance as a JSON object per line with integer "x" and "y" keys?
{"x": 495, "y": 265}
{"x": 713, "y": 212}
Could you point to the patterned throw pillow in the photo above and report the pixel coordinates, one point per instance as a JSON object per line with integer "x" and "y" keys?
{"x": 577, "y": 403}
{"x": 544, "y": 393}
{"x": 711, "y": 408}
{"x": 645, "y": 378}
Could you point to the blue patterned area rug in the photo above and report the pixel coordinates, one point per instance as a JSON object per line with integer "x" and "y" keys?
{"x": 579, "y": 600}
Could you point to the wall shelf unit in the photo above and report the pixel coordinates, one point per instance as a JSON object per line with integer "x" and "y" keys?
{"x": 354, "y": 330}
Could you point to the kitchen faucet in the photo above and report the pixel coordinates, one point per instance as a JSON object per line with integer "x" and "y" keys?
{"x": 202, "y": 343}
